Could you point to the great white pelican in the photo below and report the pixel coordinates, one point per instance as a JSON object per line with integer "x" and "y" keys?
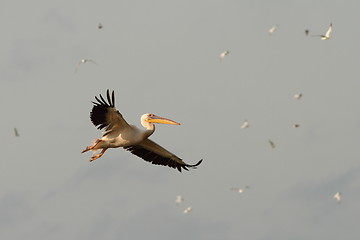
{"x": 118, "y": 133}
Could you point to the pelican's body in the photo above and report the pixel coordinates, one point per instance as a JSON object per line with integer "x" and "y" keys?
{"x": 126, "y": 137}
{"x": 118, "y": 133}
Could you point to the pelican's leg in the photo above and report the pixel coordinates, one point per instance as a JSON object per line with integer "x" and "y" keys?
{"x": 92, "y": 146}
{"x": 96, "y": 156}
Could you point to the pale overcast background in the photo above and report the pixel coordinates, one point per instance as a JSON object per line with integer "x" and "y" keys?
{"x": 162, "y": 57}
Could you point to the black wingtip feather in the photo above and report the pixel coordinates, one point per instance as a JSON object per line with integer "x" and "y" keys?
{"x": 108, "y": 97}
{"x": 100, "y": 109}
{"x": 103, "y": 101}
{"x": 111, "y": 99}
{"x": 195, "y": 165}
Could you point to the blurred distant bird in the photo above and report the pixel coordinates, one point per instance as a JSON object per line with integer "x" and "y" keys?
{"x": 327, "y": 34}
{"x": 240, "y": 190}
{"x": 99, "y": 26}
{"x": 16, "y": 133}
{"x": 272, "y": 144}
{"x": 296, "y": 125}
{"x": 187, "y": 210}
{"x": 223, "y": 54}
{"x": 245, "y": 124}
{"x": 337, "y": 197}
{"x": 307, "y": 32}
{"x": 179, "y": 199}
{"x": 84, "y": 61}
{"x": 118, "y": 133}
{"x": 273, "y": 29}
{"x": 297, "y": 96}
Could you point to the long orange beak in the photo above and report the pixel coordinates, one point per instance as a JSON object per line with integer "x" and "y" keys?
{"x": 157, "y": 119}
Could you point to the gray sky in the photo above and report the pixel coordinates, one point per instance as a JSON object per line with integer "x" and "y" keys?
{"x": 162, "y": 57}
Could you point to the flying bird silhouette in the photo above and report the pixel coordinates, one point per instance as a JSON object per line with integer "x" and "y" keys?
{"x": 223, "y": 54}
{"x": 82, "y": 61}
{"x": 179, "y": 199}
{"x": 272, "y": 144}
{"x": 245, "y": 124}
{"x": 273, "y": 29}
{"x": 240, "y": 190}
{"x": 187, "y": 210}
{"x": 297, "y": 96}
{"x": 16, "y": 132}
{"x": 337, "y": 197}
{"x": 326, "y": 35}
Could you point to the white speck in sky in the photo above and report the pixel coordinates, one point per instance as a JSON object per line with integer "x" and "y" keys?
{"x": 82, "y": 61}
{"x": 245, "y": 124}
{"x": 337, "y": 197}
{"x": 223, "y": 54}
{"x": 187, "y": 210}
{"x": 179, "y": 199}
{"x": 273, "y": 29}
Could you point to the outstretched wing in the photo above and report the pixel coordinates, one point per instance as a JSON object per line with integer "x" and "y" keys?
{"x": 154, "y": 153}
{"x": 105, "y": 116}
{"x": 327, "y": 34}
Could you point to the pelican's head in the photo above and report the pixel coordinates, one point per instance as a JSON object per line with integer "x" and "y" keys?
{"x": 151, "y": 118}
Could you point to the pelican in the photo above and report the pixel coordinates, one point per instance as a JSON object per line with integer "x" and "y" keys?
{"x": 297, "y": 96}
{"x": 118, "y": 133}
{"x": 179, "y": 199}
{"x": 327, "y": 34}
{"x": 187, "y": 210}
{"x": 245, "y": 124}
{"x": 16, "y": 132}
{"x": 84, "y": 60}
{"x": 337, "y": 197}
{"x": 240, "y": 190}
{"x": 272, "y": 144}
{"x": 223, "y": 54}
{"x": 272, "y": 29}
